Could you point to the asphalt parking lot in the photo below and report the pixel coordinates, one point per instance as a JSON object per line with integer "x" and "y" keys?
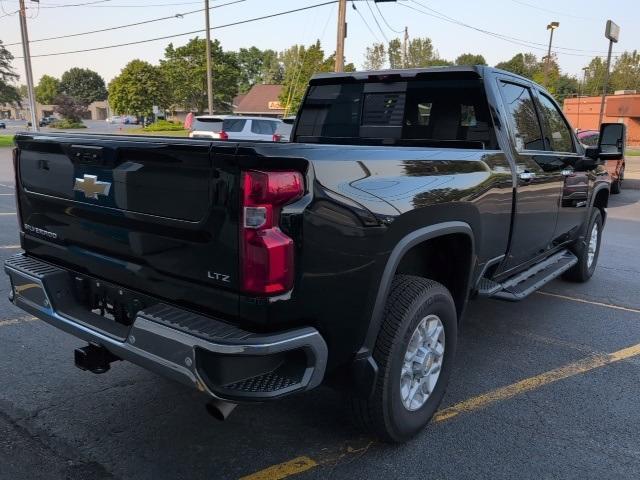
{"x": 545, "y": 388}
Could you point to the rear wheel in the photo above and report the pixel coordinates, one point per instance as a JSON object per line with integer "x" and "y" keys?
{"x": 414, "y": 352}
{"x": 587, "y": 250}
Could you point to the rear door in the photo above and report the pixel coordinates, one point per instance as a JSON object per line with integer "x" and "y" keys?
{"x": 159, "y": 216}
{"x": 540, "y": 179}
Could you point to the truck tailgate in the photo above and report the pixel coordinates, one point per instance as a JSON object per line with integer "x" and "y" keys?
{"x": 149, "y": 214}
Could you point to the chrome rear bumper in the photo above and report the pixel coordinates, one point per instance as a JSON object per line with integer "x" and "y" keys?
{"x": 216, "y": 358}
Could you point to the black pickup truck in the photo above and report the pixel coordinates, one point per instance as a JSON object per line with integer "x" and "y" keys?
{"x": 253, "y": 271}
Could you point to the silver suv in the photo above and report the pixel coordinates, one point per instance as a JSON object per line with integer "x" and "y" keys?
{"x": 229, "y": 127}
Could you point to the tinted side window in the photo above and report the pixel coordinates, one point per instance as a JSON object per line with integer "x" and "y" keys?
{"x": 558, "y": 133}
{"x": 522, "y": 115}
{"x": 263, "y": 127}
{"x": 233, "y": 125}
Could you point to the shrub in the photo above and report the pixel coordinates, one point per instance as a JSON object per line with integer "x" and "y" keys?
{"x": 69, "y": 108}
{"x": 164, "y": 126}
{"x": 67, "y": 124}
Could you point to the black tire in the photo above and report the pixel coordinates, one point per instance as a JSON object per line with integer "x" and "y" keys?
{"x": 410, "y": 300}
{"x": 616, "y": 187}
{"x": 582, "y": 271}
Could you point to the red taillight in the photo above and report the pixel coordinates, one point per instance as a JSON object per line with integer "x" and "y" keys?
{"x": 222, "y": 135}
{"x": 276, "y": 137}
{"x": 266, "y": 253}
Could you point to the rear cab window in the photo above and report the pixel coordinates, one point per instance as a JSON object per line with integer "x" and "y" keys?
{"x": 439, "y": 112}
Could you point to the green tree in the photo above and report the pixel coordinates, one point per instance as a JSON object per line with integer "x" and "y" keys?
{"x": 594, "y": 77}
{"x": 375, "y": 57}
{"x": 300, "y": 63}
{"x": 138, "y": 88}
{"x": 8, "y": 92}
{"x": 185, "y": 70}
{"x": 470, "y": 59}
{"x": 47, "y": 89}
{"x": 625, "y": 74}
{"x": 420, "y": 53}
{"x": 565, "y": 86}
{"x": 85, "y": 85}
{"x": 394, "y": 52}
{"x": 69, "y": 108}
{"x": 258, "y": 66}
{"x": 525, "y": 64}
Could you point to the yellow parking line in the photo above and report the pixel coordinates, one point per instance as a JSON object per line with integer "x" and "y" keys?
{"x": 590, "y": 302}
{"x": 7, "y": 194}
{"x": 9, "y": 247}
{"x": 7, "y": 213}
{"x": 302, "y": 464}
{"x": 283, "y": 470}
{"x": 532, "y": 383}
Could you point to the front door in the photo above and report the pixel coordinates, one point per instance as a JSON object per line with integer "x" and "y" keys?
{"x": 540, "y": 179}
{"x": 562, "y": 153}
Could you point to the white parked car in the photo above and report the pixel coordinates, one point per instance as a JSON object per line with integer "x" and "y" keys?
{"x": 231, "y": 127}
{"x": 115, "y": 119}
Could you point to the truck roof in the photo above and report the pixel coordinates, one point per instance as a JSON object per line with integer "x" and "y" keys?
{"x": 462, "y": 71}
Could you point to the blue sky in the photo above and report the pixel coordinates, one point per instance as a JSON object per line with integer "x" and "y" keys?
{"x": 581, "y": 32}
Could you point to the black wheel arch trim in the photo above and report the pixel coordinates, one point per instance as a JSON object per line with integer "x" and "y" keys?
{"x": 364, "y": 367}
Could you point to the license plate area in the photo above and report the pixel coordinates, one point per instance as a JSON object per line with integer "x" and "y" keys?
{"x": 102, "y": 306}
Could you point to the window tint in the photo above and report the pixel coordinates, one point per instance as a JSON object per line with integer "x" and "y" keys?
{"x": 263, "y": 127}
{"x": 207, "y": 124}
{"x": 435, "y": 112}
{"x": 558, "y": 133}
{"x": 522, "y": 115}
{"x": 233, "y": 124}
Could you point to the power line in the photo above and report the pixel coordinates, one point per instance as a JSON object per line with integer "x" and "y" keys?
{"x": 373, "y": 34}
{"x": 377, "y": 23}
{"x": 165, "y": 37}
{"x": 514, "y": 40}
{"x": 385, "y": 20}
{"x": 454, "y": 20}
{"x": 555, "y": 11}
{"x": 117, "y": 27}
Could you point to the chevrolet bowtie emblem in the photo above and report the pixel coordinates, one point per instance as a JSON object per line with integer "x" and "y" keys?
{"x": 91, "y": 187}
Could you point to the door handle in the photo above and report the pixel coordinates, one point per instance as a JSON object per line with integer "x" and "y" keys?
{"x": 527, "y": 175}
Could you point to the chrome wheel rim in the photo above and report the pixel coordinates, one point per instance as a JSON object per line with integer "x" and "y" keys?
{"x": 593, "y": 245}
{"x": 422, "y": 362}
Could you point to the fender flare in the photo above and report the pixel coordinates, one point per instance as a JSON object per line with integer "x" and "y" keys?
{"x": 365, "y": 369}
{"x": 594, "y": 194}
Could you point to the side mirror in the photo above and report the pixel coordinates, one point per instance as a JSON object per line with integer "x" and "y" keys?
{"x": 612, "y": 140}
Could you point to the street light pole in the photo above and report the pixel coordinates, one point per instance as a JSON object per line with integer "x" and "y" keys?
{"x": 580, "y": 92}
{"x": 208, "y": 48}
{"x": 342, "y": 34}
{"x": 26, "y": 53}
{"x": 612, "y": 32}
{"x": 552, "y": 26}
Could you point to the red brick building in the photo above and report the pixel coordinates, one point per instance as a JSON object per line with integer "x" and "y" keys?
{"x": 583, "y": 113}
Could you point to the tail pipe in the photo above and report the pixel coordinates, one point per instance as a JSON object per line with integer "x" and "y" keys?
{"x": 219, "y": 409}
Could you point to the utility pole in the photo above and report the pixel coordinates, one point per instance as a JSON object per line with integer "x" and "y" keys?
{"x": 552, "y": 26}
{"x": 209, "y": 72}
{"x": 405, "y": 43}
{"x": 612, "y": 32}
{"x": 26, "y": 53}
{"x": 342, "y": 34}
